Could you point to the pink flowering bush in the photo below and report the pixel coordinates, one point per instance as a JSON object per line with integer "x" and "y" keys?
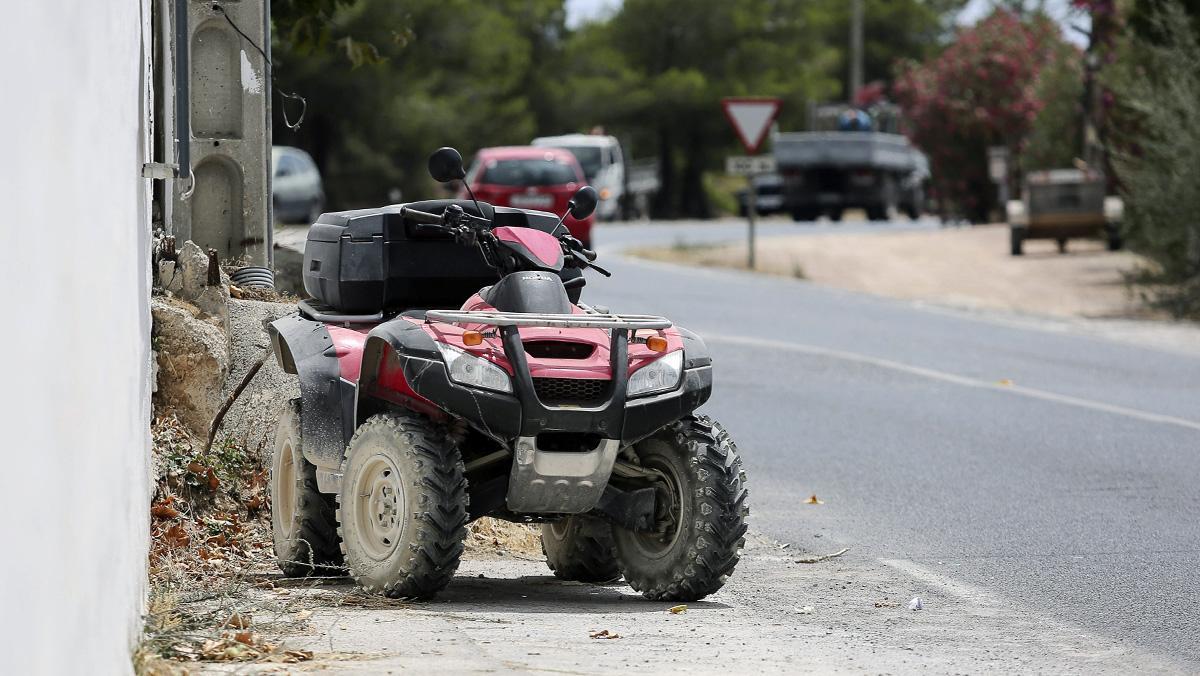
{"x": 980, "y": 92}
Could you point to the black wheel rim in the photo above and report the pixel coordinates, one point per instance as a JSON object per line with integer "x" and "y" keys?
{"x": 668, "y": 511}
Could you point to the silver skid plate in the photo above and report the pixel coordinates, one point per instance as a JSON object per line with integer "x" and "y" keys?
{"x": 549, "y": 482}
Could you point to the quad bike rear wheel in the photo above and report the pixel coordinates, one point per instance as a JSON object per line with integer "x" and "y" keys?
{"x": 402, "y": 507}
{"x": 302, "y": 518}
{"x": 700, "y": 513}
{"x": 580, "y": 549}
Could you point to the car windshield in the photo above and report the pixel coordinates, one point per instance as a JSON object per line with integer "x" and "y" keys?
{"x": 589, "y": 158}
{"x": 528, "y": 172}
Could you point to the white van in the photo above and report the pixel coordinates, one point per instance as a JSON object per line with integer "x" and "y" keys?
{"x": 603, "y": 165}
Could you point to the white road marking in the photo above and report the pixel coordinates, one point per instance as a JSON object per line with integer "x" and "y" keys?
{"x": 955, "y": 379}
{"x": 960, "y": 590}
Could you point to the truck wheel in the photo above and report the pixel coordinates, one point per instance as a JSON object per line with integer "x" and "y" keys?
{"x": 579, "y": 548}
{"x": 877, "y": 213}
{"x": 1062, "y": 245}
{"x": 806, "y": 214}
{"x": 1114, "y": 240}
{"x": 302, "y": 518}
{"x": 402, "y": 508}
{"x": 1017, "y": 241}
{"x": 700, "y": 514}
{"x": 835, "y": 215}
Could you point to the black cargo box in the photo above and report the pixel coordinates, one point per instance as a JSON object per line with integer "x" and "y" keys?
{"x": 373, "y": 260}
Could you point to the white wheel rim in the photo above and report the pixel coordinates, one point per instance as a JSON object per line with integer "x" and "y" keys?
{"x": 378, "y": 507}
{"x": 286, "y": 491}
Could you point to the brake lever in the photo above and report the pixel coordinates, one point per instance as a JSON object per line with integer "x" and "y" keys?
{"x": 599, "y": 269}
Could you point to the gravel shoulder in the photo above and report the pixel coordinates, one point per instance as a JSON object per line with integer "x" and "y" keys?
{"x": 506, "y": 614}
{"x": 960, "y": 267}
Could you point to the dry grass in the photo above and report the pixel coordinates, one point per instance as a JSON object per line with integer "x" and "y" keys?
{"x": 490, "y": 538}
{"x": 965, "y": 267}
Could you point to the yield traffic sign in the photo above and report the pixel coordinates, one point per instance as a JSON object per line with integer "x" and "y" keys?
{"x": 751, "y": 117}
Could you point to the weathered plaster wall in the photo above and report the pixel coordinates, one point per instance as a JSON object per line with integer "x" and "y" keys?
{"x": 74, "y": 245}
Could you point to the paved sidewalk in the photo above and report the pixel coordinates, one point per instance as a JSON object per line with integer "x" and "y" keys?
{"x": 841, "y": 615}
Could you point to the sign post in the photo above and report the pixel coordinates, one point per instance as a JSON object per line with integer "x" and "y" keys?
{"x": 750, "y": 118}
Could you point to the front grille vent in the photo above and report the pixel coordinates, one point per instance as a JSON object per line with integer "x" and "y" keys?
{"x": 571, "y": 391}
{"x": 557, "y": 349}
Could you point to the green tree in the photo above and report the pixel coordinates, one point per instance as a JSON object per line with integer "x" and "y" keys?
{"x": 461, "y": 75}
{"x": 662, "y": 72}
{"x": 1053, "y": 140}
{"x": 893, "y": 30}
{"x": 1155, "y": 149}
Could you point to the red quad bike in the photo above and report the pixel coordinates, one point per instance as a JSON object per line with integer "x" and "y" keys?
{"x": 525, "y": 404}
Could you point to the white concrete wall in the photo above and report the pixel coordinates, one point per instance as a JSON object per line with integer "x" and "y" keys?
{"x": 74, "y": 269}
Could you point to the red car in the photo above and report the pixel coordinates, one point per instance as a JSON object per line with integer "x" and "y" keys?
{"x": 530, "y": 178}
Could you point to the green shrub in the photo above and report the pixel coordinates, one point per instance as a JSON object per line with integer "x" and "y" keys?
{"x": 1156, "y": 155}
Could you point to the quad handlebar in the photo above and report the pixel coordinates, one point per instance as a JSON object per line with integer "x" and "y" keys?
{"x": 469, "y": 229}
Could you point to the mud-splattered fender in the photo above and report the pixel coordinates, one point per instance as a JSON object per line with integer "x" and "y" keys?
{"x": 402, "y": 365}
{"x": 304, "y": 348}
{"x": 695, "y": 352}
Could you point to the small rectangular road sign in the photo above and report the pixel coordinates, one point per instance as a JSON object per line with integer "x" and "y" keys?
{"x": 741, "y": 165}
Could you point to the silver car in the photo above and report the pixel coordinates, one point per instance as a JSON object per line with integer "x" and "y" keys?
{"x": 295, "y": 186}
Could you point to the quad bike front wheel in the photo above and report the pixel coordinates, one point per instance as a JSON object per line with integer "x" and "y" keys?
{"x": 302, "y": 518}
{"x": 700, "y": 519}
{"x": 402, "y": 507}
{"x": 580, "y": 549}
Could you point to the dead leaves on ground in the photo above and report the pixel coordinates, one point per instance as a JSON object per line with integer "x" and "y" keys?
{"x": 603, "y": 633}
{"x": 240, "y": 646}
{"x": 164, "y": 509}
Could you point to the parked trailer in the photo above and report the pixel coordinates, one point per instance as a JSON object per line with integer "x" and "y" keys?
{"x": 1063, "y": 204}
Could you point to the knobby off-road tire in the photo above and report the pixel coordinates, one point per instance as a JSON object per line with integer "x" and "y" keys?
{"x": 580, "y": 549}
{"x": 402, "y": 508}
{"x": 705, "y": 497}
{"x": 302, "y": 518}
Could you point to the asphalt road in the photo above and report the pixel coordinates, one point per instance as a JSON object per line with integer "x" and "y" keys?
{"x": 1053, "y": 469}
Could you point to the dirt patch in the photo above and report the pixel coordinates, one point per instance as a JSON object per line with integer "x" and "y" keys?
{"x": 962, "y": 267}
{"x": 490, "y": 538}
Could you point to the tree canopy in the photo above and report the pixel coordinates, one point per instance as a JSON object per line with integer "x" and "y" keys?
{"x": 426, "y": 73}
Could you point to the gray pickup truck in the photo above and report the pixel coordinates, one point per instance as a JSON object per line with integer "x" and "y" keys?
{"x": 828, "y": 171}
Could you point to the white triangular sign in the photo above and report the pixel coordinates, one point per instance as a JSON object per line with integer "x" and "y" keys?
{"x": 750, "y": 119}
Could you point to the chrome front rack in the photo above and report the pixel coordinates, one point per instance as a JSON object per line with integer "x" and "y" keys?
{"x": 584, "y": 321}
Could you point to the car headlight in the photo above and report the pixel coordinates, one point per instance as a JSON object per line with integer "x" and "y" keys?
{"x": 658, "y": 376}
{"x": 467, "y": 369}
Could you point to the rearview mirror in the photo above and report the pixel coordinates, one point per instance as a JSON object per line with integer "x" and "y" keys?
{"x": 445, "y": 165}
{"x": 583, "y": 203}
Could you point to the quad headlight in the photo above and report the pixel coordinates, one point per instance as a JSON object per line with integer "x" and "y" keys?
{"x": 658, "y": 376}
{"x": 467, "y": 369}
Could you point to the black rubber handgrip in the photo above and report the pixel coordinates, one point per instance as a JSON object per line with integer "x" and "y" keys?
{"x": 420, "y": 216}
{"x": 601, "y": 270}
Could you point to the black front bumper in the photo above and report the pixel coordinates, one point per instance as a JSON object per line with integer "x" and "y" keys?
{"x": 503, "y": 417}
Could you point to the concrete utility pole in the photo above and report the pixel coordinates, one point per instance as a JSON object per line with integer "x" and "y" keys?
{"x": 222, "y": 200}
{"x": 856, "y": 49}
